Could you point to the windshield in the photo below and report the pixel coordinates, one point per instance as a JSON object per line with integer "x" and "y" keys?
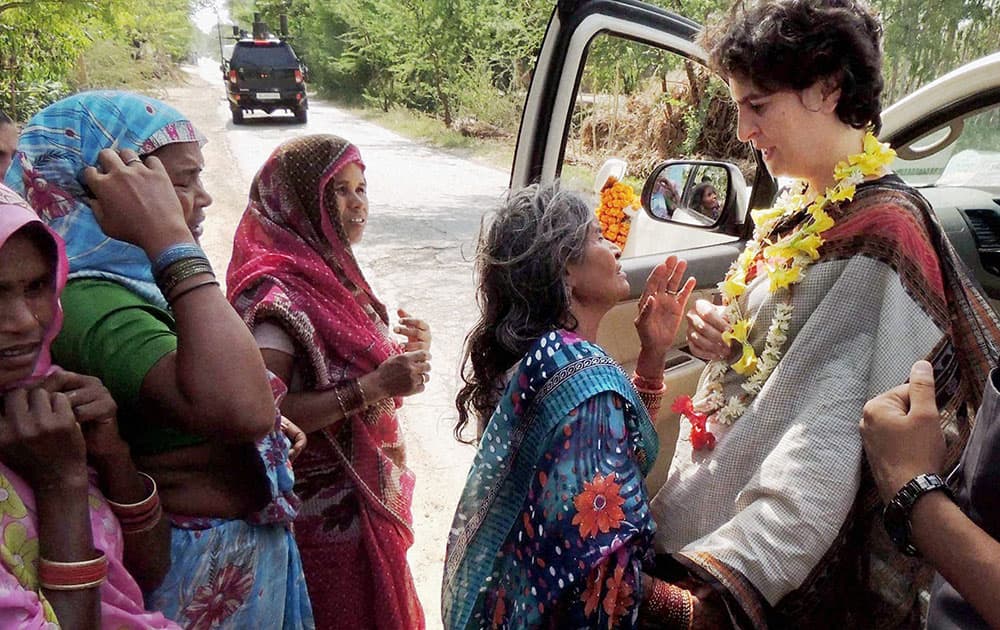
{"x": 268, "y": 55}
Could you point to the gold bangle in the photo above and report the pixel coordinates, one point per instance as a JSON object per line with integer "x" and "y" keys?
{"x": 138, "y": 506}
{"x": 688, "y": 608}
{"x": 73, "y": 587}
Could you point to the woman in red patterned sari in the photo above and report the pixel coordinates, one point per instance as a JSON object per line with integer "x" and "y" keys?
{"x": 294, "y": 279}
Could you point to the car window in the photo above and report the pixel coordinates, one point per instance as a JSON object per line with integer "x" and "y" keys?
{"x": 640, "y": 105}
{"x": 264, "y": 56}
{"x": 965, "y": 153}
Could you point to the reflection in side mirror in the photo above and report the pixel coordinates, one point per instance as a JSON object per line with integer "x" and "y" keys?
{"x": 696, "y": 193}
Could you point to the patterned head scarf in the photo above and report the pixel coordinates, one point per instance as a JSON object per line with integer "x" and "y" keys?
{"x": 293, "y": 265}
{"x": 292, "y": 233}
{"x": 62, "y": 140}
{"x": 14, "y": 215}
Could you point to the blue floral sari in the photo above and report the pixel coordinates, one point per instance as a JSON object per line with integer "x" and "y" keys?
{"x": 553, "y": 527}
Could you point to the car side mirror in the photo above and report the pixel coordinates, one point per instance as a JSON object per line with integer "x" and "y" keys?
{"x": 696, "y": 193}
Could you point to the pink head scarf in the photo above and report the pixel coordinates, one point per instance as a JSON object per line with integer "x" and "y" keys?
{"x": 293, "y": 265}
{"x": 15, "y": 214}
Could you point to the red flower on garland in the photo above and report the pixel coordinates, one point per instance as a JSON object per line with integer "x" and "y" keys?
{"x": 598, "y": 506}
{"x": 701, "y": 437}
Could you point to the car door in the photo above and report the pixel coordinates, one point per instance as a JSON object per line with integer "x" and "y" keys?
{"x": 574, "y": 85}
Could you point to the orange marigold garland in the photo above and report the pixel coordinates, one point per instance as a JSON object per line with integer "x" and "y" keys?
{"x": 619, "y": 204}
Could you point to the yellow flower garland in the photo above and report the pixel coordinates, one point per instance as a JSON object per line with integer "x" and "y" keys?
{"x": 784, "y": 260}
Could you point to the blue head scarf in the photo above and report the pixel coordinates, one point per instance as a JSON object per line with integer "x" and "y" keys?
{"x": 63, "y": 139}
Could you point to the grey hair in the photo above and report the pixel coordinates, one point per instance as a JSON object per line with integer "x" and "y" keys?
{"x": 521, "y": 263}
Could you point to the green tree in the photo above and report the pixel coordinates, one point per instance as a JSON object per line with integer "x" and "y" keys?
{"x": 457, "y": 58}
{"x": 45, "y": 46}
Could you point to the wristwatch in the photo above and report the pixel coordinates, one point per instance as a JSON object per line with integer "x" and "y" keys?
{"x": 896, "y": 516}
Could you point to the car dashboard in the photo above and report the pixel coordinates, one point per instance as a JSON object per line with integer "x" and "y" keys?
{"x": 971, "y": 219}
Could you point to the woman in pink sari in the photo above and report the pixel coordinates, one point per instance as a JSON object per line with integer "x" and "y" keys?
{"x": 63, "y": 552}
{"x": 294, "y": 279}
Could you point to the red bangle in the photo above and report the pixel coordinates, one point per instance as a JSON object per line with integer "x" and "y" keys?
{"x": 670, "y": 605}
{"x": 142, "y": 516}
{"x": 651, "y": 385}
{"x": 73, "y": 576}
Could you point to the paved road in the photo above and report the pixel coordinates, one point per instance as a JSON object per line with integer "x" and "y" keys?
{"x": 417, "y": 253}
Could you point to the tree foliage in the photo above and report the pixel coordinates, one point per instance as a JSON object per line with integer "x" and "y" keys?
{"x": 450, "y": 58}
{"x": 456, "y": 58}
{"x": 50, "y": 47}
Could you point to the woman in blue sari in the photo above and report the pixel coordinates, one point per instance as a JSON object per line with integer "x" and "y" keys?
{"x": 553, "y": 527}
{"x": 144, "y": 313}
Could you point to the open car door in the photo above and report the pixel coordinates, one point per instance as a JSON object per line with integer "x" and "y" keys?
{"x": 601, "y": 62}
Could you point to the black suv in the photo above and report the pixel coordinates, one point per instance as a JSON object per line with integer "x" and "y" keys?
{"x": 265, "y": 74}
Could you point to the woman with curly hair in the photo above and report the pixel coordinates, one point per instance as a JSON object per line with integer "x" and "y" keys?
{"x": 846, "y": 282}
{"x": 553, "y": 526}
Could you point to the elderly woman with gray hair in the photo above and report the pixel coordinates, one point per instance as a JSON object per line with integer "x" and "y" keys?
{"x": 553, "y": 527}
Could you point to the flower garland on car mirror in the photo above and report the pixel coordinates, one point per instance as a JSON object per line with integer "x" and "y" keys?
{"x": 784, "y": 259}
{"x": 619, "y": 204}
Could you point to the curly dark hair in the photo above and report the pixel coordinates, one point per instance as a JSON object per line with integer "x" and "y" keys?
{"x": 521, "y": 264}
{"x": 791, "y": 44}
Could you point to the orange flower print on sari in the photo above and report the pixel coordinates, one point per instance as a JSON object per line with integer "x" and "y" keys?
{"x": 598, "y": 506}
{"x": 500, "y": 610}
{"x": 592, "y": 594}
{"x": 618, "y": 600}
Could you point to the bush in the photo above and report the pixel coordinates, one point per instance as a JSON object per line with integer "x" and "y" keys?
{"x": 30, "y": 97}
{"x": 113, "y": 65}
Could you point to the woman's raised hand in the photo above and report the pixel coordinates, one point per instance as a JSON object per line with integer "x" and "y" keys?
{"x": 41, "y": 440}
{"x": 662, "y": 304}
{"x": 416, "y": 331}
{"x": 136, "y": 201}
{"x": 706, "y": 324}
{"x": 401, "y": 375}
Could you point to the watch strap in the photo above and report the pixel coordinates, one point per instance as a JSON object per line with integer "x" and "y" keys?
{"x": 896, "y": 516}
